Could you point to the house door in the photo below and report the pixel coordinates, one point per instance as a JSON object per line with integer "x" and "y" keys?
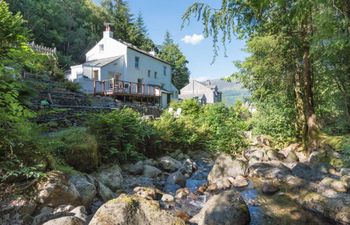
{"x": 139, "y": 86}
{"x": 95, "y": 75}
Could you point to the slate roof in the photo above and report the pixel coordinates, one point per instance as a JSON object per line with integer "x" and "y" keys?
{"x": 101, "y": 62}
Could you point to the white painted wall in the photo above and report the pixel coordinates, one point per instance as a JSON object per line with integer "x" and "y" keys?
{"x": 111, "y": 48}
{"x": 118, "y": 66}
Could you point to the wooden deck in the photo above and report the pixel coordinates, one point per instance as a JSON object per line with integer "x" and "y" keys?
{"x": 116, "y": 88}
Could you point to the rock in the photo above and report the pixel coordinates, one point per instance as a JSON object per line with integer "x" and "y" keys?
{"x": 212, "y": 187}
{"x": 167, "y": 198}
{"x": 331, "y": 184}
{"x": 55, "y": 189}
{"x": 169, "y": 164}
{"x": 150, "y": 162}
{"x": 188, "y": 167}
{"x": 294, "y": 182}
{"x": 134, "y": 169}
{"x": 148, "y": 192}
{"x": 52, "y": 216}
{"x": 86, "y": 189}
{"x": 17, "y": 209}
{"x": 227, "y": 208}
{"x": 336, "y": 207}
{"x": 345, "y": 171}
{"x": 346, "y": 180}
{"x": 253, "y": 152}
{"x": 223, "y": 183}
{"x": 182, "y": 193}
{"x": 270, "y": 170}
{"x": 239, "y": 182}
{"x": 110, "y": 176}
{"x": 133, "y": 210}
{"x": 66, "y": 220}
{"x": 104, "y": 192}
{"x": 302, "y": 170}
{"x": 317, "y": 157}
{"x": 273, "y": 155}
{"x": 151, "y": 171}
{"x": 291, "y": 157}
{"x": 177, "y": 178}
{"x": 270, "y": 188}
{"x": 80, "y": 212}
{"x": 225, "y": 166}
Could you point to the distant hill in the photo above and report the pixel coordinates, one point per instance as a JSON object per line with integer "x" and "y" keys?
{"x": 231, "y": 91}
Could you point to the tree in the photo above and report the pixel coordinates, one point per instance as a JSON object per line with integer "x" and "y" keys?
{"x": 171, "y": 53}
{"x": 290, "y": 20}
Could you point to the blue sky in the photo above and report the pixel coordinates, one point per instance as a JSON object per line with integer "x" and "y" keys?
{"x": 163, "y": 15}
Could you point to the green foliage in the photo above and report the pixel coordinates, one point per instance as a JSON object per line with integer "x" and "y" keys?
{"x": 120, "y": 135}
{"x": 171, "y": 53}
{"x": 73, "y": 27}
{"x": 76, "y": 148}
{"x": 212, "y": 127}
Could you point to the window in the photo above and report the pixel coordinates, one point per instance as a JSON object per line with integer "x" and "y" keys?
{"x": 164, "y": 70}
{"x": 149, "y": 73}
{"x": 137, "y": 61}
{"x": 101, "y": 47}
{"x": 155, "y": 75}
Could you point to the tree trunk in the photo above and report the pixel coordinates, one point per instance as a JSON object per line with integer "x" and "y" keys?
{"x": 312, "y": 125}
{"x": 299, "y": 105}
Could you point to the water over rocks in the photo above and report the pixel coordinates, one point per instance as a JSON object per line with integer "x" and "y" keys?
{"x": 181, "y": 188}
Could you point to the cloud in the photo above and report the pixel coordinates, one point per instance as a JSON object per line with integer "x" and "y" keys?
{"x": 193, "y": 39}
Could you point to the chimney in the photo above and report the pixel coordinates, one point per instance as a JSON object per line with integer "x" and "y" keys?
{"x": 107, "y": 33}
{"x": 152, "y": 52}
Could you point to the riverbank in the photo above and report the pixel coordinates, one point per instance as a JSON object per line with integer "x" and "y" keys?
{"x": 270, "y": 187}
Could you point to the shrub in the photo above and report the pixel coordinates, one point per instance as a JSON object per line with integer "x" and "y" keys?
{"x": 121, "y": 135}
{"x": 75, "y": 147}
{"x": 212, "y": 127}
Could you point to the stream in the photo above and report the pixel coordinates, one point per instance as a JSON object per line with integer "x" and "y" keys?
{"x": 253, "y": 198}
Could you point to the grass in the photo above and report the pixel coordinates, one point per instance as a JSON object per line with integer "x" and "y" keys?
{"x": 341, "y": 144}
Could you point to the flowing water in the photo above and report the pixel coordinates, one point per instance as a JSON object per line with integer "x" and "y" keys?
{"x": 258, "y": 214}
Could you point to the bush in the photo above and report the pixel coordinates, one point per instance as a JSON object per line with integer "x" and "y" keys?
{"x": 212, "y": 127}
{"x": 75, "y": 147}
{"x": 121, "y": 135}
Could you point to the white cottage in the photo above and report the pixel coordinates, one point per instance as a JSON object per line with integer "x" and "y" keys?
{"x": 204, "y": 92}
{"x": 119, "y": 69}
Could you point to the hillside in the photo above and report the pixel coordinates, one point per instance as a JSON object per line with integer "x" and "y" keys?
{"x": 231, "y": 91}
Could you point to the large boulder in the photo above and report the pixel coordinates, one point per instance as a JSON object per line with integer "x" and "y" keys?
{"x": 226, "y": 208}
{"x": 270, "y": 171}
{"x": 177, "y": 178}
{"x": 55, "y": 189}
{"x": 336, "y": 207}
{"x": 151, "y": 171}
{"x": 330, "y": 185}
{"x": 110, "y": 176}
{"x": 188, "y": 167}
{"x": 134, "y": 169}
{"x": 66, "y": 220}
{"x": 225, "y": 167}
{"x": 133, "y": 210}
{"x": 104, "y": 192}
{"x": 169, "y": 164}
{"x": 52, "y": 216}
{"x": 85, "y": 186}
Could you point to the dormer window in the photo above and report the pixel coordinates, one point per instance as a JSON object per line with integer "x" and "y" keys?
{"x": 164, "y": 70}
{"x": 101, "y": 47}
{"x": 137, "y": 62}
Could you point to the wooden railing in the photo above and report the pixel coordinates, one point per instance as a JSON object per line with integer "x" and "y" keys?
{"x": 119, "y": 87}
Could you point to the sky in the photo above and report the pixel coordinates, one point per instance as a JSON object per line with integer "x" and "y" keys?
{"x": 163, "y": 15}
